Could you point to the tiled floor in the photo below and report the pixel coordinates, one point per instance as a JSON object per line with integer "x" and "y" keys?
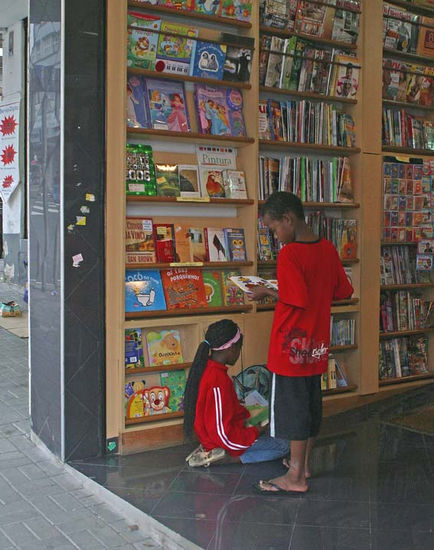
{"x": 373, "y": 488}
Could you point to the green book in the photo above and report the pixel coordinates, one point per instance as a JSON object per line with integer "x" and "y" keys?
{"x": 213, "y": 288}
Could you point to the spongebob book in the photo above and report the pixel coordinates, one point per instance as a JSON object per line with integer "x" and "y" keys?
{"x": 164, "y": 347}
{"x": 143, "y": 291}
{"x": 175, "y": 381}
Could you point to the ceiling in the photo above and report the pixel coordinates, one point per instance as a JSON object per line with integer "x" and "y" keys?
{"x": 12, "y": 11}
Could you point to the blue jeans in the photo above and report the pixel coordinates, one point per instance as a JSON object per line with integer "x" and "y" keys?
{"x": 265, "y": 448}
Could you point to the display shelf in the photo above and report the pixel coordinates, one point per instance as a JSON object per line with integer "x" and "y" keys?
{"x": 409, "y": 56}
{"x": 187, "y": 78}
{"x": 394, "y": 243}
{"x": 406, "y": 286}
{"x": 162, "y": 368}
{"x": 412, "y": 8}
{"x": 402, "y": 333}
{"x": 190, "y": 136}
{"x": 337, "y": 305}
{"x": 334, "y": 391}
{"x": 406, "y": 105}
{"x": 271, "y": 263}
{"x": 181, "y": 312}
{"x": 308, "y": 95}
{"x": 286, "y": 34}
{"x": 153, "y": 418}
{"x": 404, "y": 379}
{"x": 191, "y": 15}
{"x": 408, "y": 151}
{"x": 339, "y": 349}
{"x": 310, "y": 204}
{"x": 183, "y": 200}
{"x": 200, "y": 265}
{"x": 320, "y": 149}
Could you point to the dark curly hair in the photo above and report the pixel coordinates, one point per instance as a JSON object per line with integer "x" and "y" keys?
{"x": 280, "y": 203}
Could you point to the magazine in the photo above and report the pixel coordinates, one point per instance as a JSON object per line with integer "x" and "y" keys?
{"x": 346, "y": 76}
{"x": 167, "y": 109}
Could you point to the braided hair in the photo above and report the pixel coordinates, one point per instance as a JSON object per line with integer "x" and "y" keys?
{"x": 217, "y": 335}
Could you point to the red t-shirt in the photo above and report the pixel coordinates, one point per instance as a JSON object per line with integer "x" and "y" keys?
{"x": 310, "y": 276}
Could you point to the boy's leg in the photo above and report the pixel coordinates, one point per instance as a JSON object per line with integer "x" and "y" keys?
{"x": 294, "y": 479}
{"x": 265, "y": 448}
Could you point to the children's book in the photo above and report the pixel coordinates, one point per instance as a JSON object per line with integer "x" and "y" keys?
{"x": 198, "y": 248}
{"x": 142, "y": 40}
{"x": 235, "y": 244}
{"x": 265, "y": 249}
{"x": 208, "y": 7}
{"x": 140, "y": 176}
{"x": 175, "y": 49}
{"x": 175, "y": 380}
{"x": 219, "y": 111}
{"x": 146, "y": 397}
{"x": 232, "y": 294}
{"x": 164, "y": 347}
{"x": 247, "y": 282}
{"x": 183, "y": 288}
{"x": 236, "y": 9}
{"x": 188, "y": 180}
{"x": 216, "y": 245}
{"x": 133, "y": 348}
{"x": 164, "y": 238}
{"x": 234, "y": 183}
{"x": 238, "y": 61}
{"x": 234, "y": 100}
{"x": 137, "y": 116}
{"x": 139, "y": 241}
{"x": 167, "y": 179}
{"x": 143, "y": 290}
{"x": 209, "y": 60}
{"x": 216, "y": 157}
{"x": 167, "y": 108}
{"x": 211, "y": 182}
{"x": 183, "y": 249}
{"x": 213, "y": 288}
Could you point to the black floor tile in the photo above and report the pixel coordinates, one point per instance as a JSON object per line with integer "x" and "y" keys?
{"x": 208, "y": 481}
{"x": 414, "y": 517}
{"x": 408, "y": 540}
{"x": 247, "y": 536}
{"x": 337, "y": 513}
{"x": 191, "y": 506}
{"x": 311, "y": 537}
{"x": 198, "y": 531}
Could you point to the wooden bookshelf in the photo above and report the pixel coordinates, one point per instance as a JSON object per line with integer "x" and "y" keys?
{"x": 271, "y": 263}
{"x": 402, "y": 333}
{"x": 190, "y": 136}
{"x": 318, "y": 148}
{"x": 339, "y": 349}
{"x": 308, "y": 95}
{"x": 200, "y": 200}
{"x": 162, "y": 368}
{"x": 406, "y": 286}
{"x": 225, "y": 310}
{"x": 327, "y": 42}
{"x": 334, "y": 391}
{"x": 405, "y": 379}
{"x": 413, "y": 8}
{"x": 153, "y": 418}
{"x": 408, "y": 151}
{"x": 199, "y": 265}
{"x": 338, "y": 306}
{"x": 409, "y": 56}
{"x": 405, "y": 105}
{"x": 309, "y": 204}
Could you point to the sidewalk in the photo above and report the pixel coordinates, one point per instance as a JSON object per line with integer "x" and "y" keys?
{"x": 43, "y": 506}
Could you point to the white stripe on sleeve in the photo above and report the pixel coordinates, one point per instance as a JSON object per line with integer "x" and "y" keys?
{"x": 220, "y": 426}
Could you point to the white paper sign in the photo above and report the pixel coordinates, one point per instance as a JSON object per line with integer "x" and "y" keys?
{"x": 9, "y": 149}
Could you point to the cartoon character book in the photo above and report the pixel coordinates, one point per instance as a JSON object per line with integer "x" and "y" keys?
{"x": 216, "y": 245}
{"x": 139, "y": 241}
{"x": 208, "y": 7}
{"x": 137, "y": 116}
{"x": 219, "y": 111}
{"x": 232, "y": 294}
{"x": 175, "y": 49}
{"x": 213, "y": 288}
{"x": 183, "y": 288}
{"x": 167, "y": 109}
{"x": 236, "y": 244}
{"x": 133, "y": 348}
{"x": 209, "y": 60}
{"x": 164, "y": 348}
{"x": 167, "y": 179}
{"x": 174, "y": 380}
{"x": 146, "y": 397}
{"x": 142, "y": 40}
{"x": 236, "y": 9}
{"x": 143, "y": 291}
{"x": 140, "y": 176}
{"x": 234, "y": 99}
{"x": 164, "y": 238}
{"x": 247, "y": 282}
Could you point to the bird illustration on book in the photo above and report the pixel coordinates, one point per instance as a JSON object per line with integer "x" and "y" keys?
{"x": 214, "y": 187}
{"x": 219, "y": 247}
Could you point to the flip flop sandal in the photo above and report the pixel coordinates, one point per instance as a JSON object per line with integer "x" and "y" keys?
{"x": 205, "y": 458}
{"x": 279, "y": 492}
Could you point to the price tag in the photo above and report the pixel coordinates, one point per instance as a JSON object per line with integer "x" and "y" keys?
{"x": 186, "y": 264}
{"x": 193, "y": 199}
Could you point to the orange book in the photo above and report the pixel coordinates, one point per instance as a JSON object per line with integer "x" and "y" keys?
{"x": 183, "y": 288}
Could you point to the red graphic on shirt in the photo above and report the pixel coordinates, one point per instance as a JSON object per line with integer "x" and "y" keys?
{"x": 7, "y": 182}
{"x": 302, "y": 350}
{"x": 8, "y": 125}
{"x": 8, "y": 155}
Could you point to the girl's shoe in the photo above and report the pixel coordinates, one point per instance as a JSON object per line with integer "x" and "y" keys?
{"x": 200, "y": 457}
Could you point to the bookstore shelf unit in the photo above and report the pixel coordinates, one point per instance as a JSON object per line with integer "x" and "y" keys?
{"x": 170, "y": 147}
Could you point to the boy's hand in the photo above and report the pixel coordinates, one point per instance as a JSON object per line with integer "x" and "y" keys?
{"x": 258, "y": 292}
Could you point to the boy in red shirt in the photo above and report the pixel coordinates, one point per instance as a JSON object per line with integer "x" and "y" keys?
{"x": 310, "y": 275}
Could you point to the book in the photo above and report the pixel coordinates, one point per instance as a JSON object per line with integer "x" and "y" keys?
{"x": 175, "y": 380}
{"x": 275, "y": 62}
{"x": 311, "y": 18}
{"x": 208, "y": 7}
{"x": 166, "y": 104}
{"x": 188, "y": 180}
{"x": 142, "y": 40}
{"x": 146, "y": 397}
{"x": 347, "y": 241}
{"x": 183, "y": 249}
{"x": 425, "y": 42}
{"x": 183, "y": 288}
{"x": 140, "y": 175}
{"x": 211, "y": 182}
{"x": 143, "y": 291}
{"x": 346, "y": 76}
{"x": 216, "y": 245}
{"x": 341, "y": 374}
{"x": 232, "y": 294}
{"x": 137, "y": 116}
{"x": 238, "y": 62}
{"x": 209, "y": 60}
{"x": 264, "y": 127}
{"x": 212, "y": 110}
{"x": 275, "y": 13}
{"x": 234, "y": 99}
{"x": 139, "y": 241}
{"x": 133, "y": 348}
{"x": 346, "y": 26}
{"x": 331, "y": 374}
{"x": 164, "y": 238}
{"x": 247, "y": 282}
{"x": 216, "y": 157}
{"x": 198, "y": 247}
{"x": 265, "y": 249}
{"x": 236, "y": 9}
{"x": 400, "y": 29}
{"x": 235, "y": 244}
{"x": 234, "y": 183}
{"x": 176, "y": 47}
{"x": 167, "y": 179}
{"x": 164, "y": 347}
{"x": 213, "y": 288}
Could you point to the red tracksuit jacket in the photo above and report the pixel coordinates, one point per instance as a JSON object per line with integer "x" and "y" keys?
{"x": 220, "y": 417}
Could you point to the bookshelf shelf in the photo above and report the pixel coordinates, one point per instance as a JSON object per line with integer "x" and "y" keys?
{"x": 339, "y": 306}
{"x": 308, "y": 204}
{"x": 271, "y": 263}
{"x": 409, "y": 56}
{"x": 338, "y": 349}
{"x": 325, "y": 149}
{"x": 413, "y": 8}
{"x": 334, "y": 391}
{"x": 394, "y": 243}
{"x": 402, "y": 333}
{"x": 200, "y": 201}
{"x": 406, "y": 285}
{"x": 308, "y": 95}
{"x": 406, "y": 105}
{"x": 163, "y": 368}
{"x": 191, "y": 15}
{"x": 404, "y": 379}
{"x": 286, "y": 34}
{"x": 188, "y": 78}
{"x": 194, "y": 311}
{"x": 200, "y": 265}
{"x": 153, "y": 418}
{"x": 408, "y": 151}
{"x": 190, "y": 136}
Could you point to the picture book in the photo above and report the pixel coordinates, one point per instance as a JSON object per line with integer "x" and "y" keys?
{"x": 211, "y": 182}
{"x": 166, "y": 176}
{"x": 140, "y": 175}
{"x": 164, "y": 347}
{"x": 133, "y": 348}
{"x": 215, "y": 243}
{"x": 139, "y": 241}
{"x": 142, "y": 40}
{"x": 143, "y": 291}
{"x": 146, "y": 397}
{"x": 219, "y": 111}
{"x": 232, "y": 294}
{"x": 216, "y": 156}
{"x": 213, "y": 288}
{"x": 167, "y": 109}
{"x": 137, "y": 116}
{"x": 175, "y": 49}
{"x": 265, "y": 249}
{"x": 235, "y": 244}
{"x": 234, "y": 183}
{"x": 234, "y": 99}
{"x": 208, "y": 7}
{"x": 346, "y": 76}
{"x": 188, "y": 181}
{"x": 164, "y": 238}
{"x": 238, "y": 62}
{"x": 174, "y": 380}
{"x": 183, "y": 249}
{"x": 198, "y": 248}
{"x": 247, "y": 282}
{"x": 236, "y": 9}
{"x": 209, "y": 60}
{"x": 183, "y": 288}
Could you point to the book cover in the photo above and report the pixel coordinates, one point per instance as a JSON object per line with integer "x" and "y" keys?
{"x": 209, "y": 60}
{"x": 346, "y": 78}
{"x": 275, "y": 13}
{"x": 188, "y": 180}
{"x": 183, "y": 288}
{"x": 164, "y": 347}
{"x": 216, "y": 245}
{"x": 265, "y": 249}
{"x": 264, "y": 127}
{"x": 137, "y": 116}
{"x": 425, "y": 42}
{"x": 238, "y": 62}
{"x": 142, "y": 40}
{"x": 211, "y": 182}
{"x": 208, "y": 7}
{"x": 216, "y": 156}
{"x": 310, "y": 18}
{"x": 232, "y": 294}
{"x": 348, "y": 240}
{"x": 235, "y": 244}
{"x": 234, "y": 183}
{"x": 140, "y": 175}
{"x": 134, "y": 348}
{"x": 175, "y": 380}
{"x": 346, "y": 26}
{"x": 167, "y": 179}
{"x": 275, "y": 61}
{"x": 175, "y": 49}
{"x": 146, "y": 397}
{"x": 212, "y": 110}
{"x": 183, "y": 249}
{"x": 166, "y": 104}
{"x": 247, "y": 282}
{"x": 164, "y": 238}
{"x": 236, "y": 9}
{"x": 198, "y": 247}
{"x": 234, "y": 101}
{"x": 139, "y": 241}
{"x": 143, "y": 291}
{"x": 285, "y": 73}
{"x": 213, "y": 288}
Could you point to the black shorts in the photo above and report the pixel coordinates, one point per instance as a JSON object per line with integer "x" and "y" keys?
{"x": 295, "y": 407}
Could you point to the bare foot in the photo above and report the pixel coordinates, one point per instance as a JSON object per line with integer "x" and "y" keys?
{"x": 283, "y": 483}
{"x": 287, "y": 464}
